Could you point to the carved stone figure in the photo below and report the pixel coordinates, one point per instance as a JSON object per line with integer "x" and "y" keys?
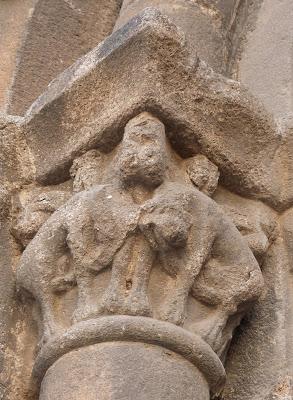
{"x": 150, "y": 215}
{"x": 146, "y": 200}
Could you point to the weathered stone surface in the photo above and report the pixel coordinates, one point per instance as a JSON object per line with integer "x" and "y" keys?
{"x": 145, "y": 225}
{"x": 145, "y": 209}
{"x": 204, "y": 24}
{"x": 287, "y": 225}
{"x": 6, "y": 306}
{"x": 253, "y": 366}
{"x": 15, "y": 170}
{"x": 268, "y": 47}
{"x": 16, "y": 163}
{"x": 214, "y": 115}
{"x": 57, "y": 34}
{"x": 132, "y": 329}
{"x": 14, "y": 15}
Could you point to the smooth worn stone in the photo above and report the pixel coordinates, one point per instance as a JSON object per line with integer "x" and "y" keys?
{"x": 132, "y": 371}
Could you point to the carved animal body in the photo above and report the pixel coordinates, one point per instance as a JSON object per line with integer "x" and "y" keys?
{"x": 203, "y": 249}
{"x": 103, "y": 227}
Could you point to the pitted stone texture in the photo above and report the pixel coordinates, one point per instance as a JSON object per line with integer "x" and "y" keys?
{"x": 255, "y": 368}
{"x": 57, "y": 34}
{"x": 14, "y": 15}
{"x": 268, "y": 46}
{"x": 123, "y": 371}
{"x": 203, "y": 174}
{"x": 123, "y": 328}
{"x": 15, "y": 170}
{"x": 146, "y": 243}
{"x": 257, "y": 364}
{"x": 7, "y": 306}
{"x": 202, "y": 23}
{"x": 16, "y": 166}
{"x": 87, "y": 170}
{"x": 203, "y": 114}
{"x": 203, "y": 111}
{"x": 257, "y": 222}
{"x": 36, "y": 206}
{"x": 287, "y": 226}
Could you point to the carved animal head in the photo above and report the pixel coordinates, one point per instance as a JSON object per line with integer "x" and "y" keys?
{"x": 142, "y": 154}
{"x": 165, "y": 226}
{"x": 35, "y": 213}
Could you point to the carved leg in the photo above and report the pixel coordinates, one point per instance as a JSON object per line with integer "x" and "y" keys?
{"x": 85, "y": 309}
{"x": 211, "y": 329}
{"x": 188, "y": 264}
{"x": 174, "y": 309}
{"x": 114, "y": 297}
{"x": 137, "y": 302}
{"x": 50, "y": 325}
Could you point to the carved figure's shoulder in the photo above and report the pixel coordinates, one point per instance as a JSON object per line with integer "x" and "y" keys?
{"x": 86, "y": 196}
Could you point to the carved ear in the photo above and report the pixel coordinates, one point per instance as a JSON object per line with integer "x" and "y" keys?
{"x": 203, "y": 173}
{"x": 86, "y": 170}
{"x": 35, "y": 213}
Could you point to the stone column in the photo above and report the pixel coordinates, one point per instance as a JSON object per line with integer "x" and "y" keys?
{"x": 124, "y": 357}
{"x": 206, "y": 24}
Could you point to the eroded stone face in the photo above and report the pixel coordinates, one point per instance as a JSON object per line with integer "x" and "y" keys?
{"x": 141, "y": 160}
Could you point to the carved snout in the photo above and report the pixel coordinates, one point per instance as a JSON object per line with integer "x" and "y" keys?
{"x": 165, "y": 231}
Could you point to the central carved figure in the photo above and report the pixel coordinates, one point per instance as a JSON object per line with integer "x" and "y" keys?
{"x": 147, "y": 212}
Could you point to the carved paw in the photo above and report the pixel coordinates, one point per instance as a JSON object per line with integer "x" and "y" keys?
{"x": 173, "y": 313}
{"x": 211, "y": 330}
{"x": 84, "y": 313}
{"x": 112, "y": 303}
{"x": 138, "y": 305}
{"x": 49, "y": 333}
